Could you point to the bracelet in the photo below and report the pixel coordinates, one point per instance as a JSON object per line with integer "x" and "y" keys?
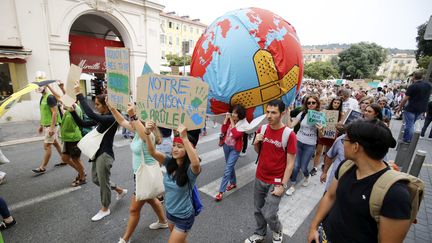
{"x": 133, "y": 118}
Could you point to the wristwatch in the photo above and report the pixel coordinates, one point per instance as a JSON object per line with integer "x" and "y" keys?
{"x": 133, "y": 118}
{"x": 285, "y": 186}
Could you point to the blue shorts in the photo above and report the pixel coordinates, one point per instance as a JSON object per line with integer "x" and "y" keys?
{"x": 182, "y": 225}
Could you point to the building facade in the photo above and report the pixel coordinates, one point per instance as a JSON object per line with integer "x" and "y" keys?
{"x": 178, "y": 29}
{"x": 320, "y": 55}
{"x": 49, "y": 35}
{"x": 398, "y": 67}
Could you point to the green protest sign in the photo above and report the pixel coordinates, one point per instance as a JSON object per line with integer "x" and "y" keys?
{"x": 171, "y": 100}
{"x": 117, "y": 69}
{"x": 316, "y": 117}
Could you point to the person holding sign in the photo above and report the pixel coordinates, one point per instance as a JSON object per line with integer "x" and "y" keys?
{"x": 232, "y": 147}
{"x": 182, "y": 168}
{"x": 104, "y": 158}
{"x": 335, "y": 105}
{"x": 140, "y": 155}
{"x": 307, "y": 137}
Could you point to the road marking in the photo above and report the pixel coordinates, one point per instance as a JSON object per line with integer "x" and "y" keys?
{"x": 293, "y": 210}
{"x": 43, "y": 198}
{"x": 21, "y": 141}
{"x": 208, "y": 138}
{"x": 244, "y": 175}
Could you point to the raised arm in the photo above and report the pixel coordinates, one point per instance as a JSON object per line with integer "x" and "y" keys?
{"x": 80, "y": 122}
{"x": 144, "y": 132}
{"x": 87, "y": 109}
{"x": 119, "y": 117}
{"x": 190, "y": 150}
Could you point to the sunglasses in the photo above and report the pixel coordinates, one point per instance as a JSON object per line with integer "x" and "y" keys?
{"x": 311, "y": 103}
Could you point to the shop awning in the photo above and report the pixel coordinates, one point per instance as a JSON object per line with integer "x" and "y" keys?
{"x": 17, "y": 55}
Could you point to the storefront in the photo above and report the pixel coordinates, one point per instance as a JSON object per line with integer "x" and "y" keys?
{"x": 54, "y": 35}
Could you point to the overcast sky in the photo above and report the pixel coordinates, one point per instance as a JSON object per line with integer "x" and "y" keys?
{"x": 389, "y": 23}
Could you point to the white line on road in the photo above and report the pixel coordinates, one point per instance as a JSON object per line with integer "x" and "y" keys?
{"x": 244, "y": 175}
{"x": 43, "y": 198}
{"x": 21, "y": 141}
{"x": 293, "y": 210}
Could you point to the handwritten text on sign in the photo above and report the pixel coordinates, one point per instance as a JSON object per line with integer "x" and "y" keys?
{"x": 171, "y": 100}
{"x": 316, "y": 117}
{"x": 117, "y": 67}
{"x": 332, "y": 117}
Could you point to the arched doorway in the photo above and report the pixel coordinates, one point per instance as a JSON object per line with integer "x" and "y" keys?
{"x": 89, "y": 35}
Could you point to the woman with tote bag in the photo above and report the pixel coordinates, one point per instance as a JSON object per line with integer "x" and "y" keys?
{"x": 104, "y": 156}
{"x": 183, "y": 169}
{"x": 140, "y": 159}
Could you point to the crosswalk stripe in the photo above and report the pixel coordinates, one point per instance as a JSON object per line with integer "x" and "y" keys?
{"x": 293, "y": 210}
{"x": 244, "y": 175}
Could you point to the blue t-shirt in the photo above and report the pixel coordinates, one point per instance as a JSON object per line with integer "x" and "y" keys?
{"x": 178, "y": 200}
{"x": 139, "y": 148}
{"x": 335, "y": 152}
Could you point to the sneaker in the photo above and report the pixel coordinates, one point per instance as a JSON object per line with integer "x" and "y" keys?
{"x": 313, "y": 171}
{"x": 158, "y": 225}
{"x": 100, "y": 215}
{"x": 290, "y": 191}
{"x": 242, "y": 154}
{"x": 255, "y": 238}
{"x": 230, "y": 187}
{"x": 277, "y": 237}
{"x": 2, "y": 177}
{"x": 4, "y": 225}
{"x": 121, "y": 240}
{"x": 122, "y": 194}
{"x": 306, "y": 181}
{"x": 218, "y": 197}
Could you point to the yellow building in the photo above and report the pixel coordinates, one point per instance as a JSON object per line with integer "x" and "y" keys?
{"x": 398, "y": 66}
{"x": 178, "y": 29}
{"x": 319, "y": 55}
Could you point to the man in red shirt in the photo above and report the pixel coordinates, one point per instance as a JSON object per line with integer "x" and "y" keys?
{"x": 275, "y": 165}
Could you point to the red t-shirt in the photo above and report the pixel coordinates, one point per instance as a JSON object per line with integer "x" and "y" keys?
{"x": 272, "y": 158}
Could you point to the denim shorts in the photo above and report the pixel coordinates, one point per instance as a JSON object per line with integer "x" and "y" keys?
{"x": 182, "y": 225}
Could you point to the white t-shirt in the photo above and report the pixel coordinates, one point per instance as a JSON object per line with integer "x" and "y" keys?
{"x": 350, "y": 104}
{"x": 307, "y": 134}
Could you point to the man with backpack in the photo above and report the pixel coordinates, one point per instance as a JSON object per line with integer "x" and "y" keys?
{"x": 367, "y": 202}
{"x": 276, "y": 147}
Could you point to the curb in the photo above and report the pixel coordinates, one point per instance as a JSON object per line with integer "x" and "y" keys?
{"x": 21, "y": 141}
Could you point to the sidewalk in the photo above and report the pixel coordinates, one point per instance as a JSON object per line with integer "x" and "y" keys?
{"x": 422, "y": 231}
{"x": 19, "y": 132}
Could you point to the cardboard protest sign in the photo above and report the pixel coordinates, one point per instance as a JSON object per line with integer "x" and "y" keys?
{"x": 73, "y": 76}
{"x": 332, "y": 117}
{"x": 315, "y": 117}
{"x": 171, "y": 100}
{"x": 351, "y": 116}
{"x": 117, "y": 69}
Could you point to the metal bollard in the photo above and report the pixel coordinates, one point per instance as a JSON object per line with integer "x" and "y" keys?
{"x": 411, "y": 150}
{"x": 417, "y": 163}
{"x": 402, "y": 151}
{"x": 401, "y": 132}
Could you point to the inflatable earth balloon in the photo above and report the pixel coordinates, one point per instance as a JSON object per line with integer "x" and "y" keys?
{"x": 250, "y": 57}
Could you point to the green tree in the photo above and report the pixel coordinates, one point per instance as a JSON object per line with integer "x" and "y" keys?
{"x": 320, "y": 70}
{"x": 424, "y": 47}
{"x": 361, "y": 60}
{"x": 175, "y": 60}
{"x": 423, "y": 62}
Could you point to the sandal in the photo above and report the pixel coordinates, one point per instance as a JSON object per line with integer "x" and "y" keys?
{"x": 60, "y": 164}
{"x": 39, "y": 171}
{"x": 79, "y": 182}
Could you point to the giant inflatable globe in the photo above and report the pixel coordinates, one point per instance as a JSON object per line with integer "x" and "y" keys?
{"x": 250, "y": 57}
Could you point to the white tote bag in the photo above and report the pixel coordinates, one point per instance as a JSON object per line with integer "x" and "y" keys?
{"x": 149, "y": 181}
{"x": 90, "y": 143}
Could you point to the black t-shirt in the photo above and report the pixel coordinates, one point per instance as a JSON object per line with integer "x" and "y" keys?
{"x": 349, "y": 219}
{"x": 429, "y": 111}
{"x": 418, "y": 93}
{"x": 165, "y": 132}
